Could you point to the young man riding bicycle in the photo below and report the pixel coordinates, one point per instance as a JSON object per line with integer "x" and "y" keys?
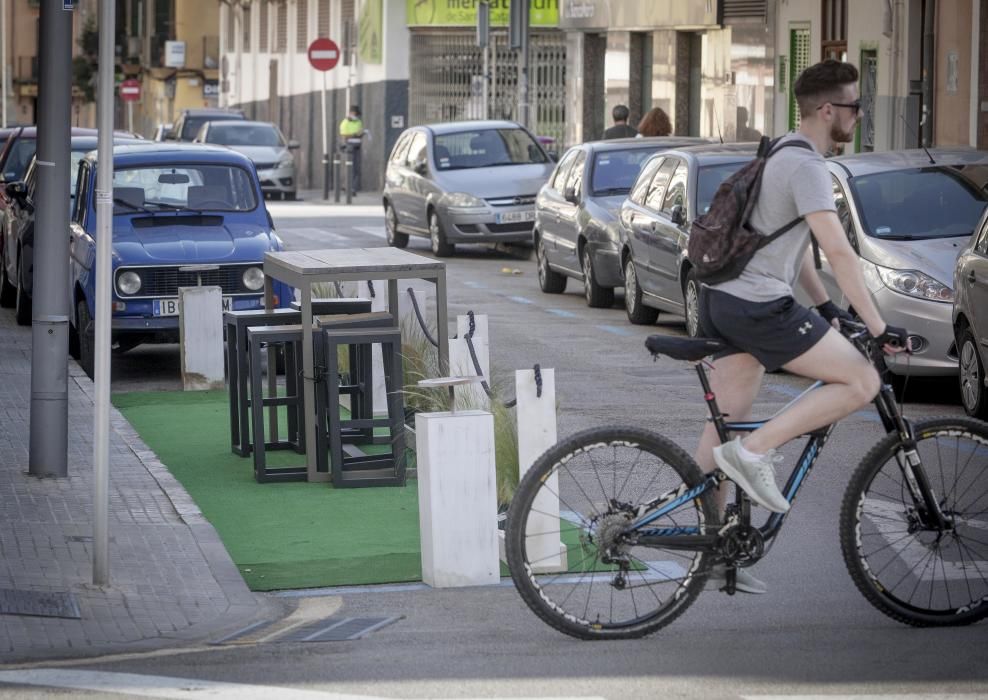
{"x": 756, "y": 314}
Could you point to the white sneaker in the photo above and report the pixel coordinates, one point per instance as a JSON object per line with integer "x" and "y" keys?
{"x": 755, "y": 476}
{"x": 743, "y": 581}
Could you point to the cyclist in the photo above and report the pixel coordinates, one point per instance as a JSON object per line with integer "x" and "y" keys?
{"x": 756, "y": 314}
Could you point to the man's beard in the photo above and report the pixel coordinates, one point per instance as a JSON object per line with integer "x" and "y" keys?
{"x": 838, "y": 135}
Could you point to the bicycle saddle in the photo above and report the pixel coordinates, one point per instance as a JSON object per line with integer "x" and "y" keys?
{"x": 691, "y": 349}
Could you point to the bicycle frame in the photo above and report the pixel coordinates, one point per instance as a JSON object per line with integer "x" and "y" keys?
{"x": 691, "y": 539}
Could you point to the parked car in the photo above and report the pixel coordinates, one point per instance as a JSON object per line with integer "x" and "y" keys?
{"x": 17, "y": 228}
{"x": 576, "y": 214}
{"x": 162, "y": 131}
{"x": 175, "y": 206}
{"x": 191, "y": 120}
{"x": 672, "y": 189}
{"x": 908, "y": 214}
{"x": 970, "y": 319}
{"x": 265, "y": 145}
{"x": 464, "y": 182}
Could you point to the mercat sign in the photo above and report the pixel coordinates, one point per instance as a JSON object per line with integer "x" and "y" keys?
{"x": 463, "y": 13}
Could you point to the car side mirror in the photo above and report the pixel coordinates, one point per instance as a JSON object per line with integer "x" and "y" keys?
{"x": 421, "y": 166}
{"x": 570, "y": 195}
{"x": 293, "y": 144}
{"x": 16, "y": 190}
{"x": 678, "y": 215}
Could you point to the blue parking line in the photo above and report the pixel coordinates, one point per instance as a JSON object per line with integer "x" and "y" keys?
{"x": 521, "y": 300}
{"x": 561, "y": 312}
{"x": 616, "y": 330}
{"x": 475, "y": 285}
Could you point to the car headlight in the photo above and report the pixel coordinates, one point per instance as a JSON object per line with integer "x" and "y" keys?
{"x": 286, "y": 162}
{"x": 253, "y": 278}
{"x": 462, "y": 200}
{"x": 916, "y": 284}
{"x": 129, "y": 283}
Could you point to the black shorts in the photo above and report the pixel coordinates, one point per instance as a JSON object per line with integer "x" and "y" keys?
{"x": 774, "y": 332}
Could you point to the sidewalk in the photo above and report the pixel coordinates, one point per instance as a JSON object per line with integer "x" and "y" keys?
{"x": 172, "y": 581}
{"x": 360, "y": 199}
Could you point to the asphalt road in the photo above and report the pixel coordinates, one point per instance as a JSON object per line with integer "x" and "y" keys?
{"x": 813, "y": 634}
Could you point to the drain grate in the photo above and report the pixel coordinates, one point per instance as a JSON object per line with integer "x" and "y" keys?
{"x": 338, "y": 629}
{"x": 38, "y": 603}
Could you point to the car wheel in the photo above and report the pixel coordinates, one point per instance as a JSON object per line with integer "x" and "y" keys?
{"x": 638, "y": 313}
{"x": 395, "y": 239}
{"x": 84, "y": 327}
{"x": 550, "y": 281}
{"x": 597, "y": 297}
{"x": 22, "y": 303}
{"x": 437, "y": 237}
{"x": 8, "y": 292}
{"x": 691, "y": 304}
{"x": 972, "y": 375}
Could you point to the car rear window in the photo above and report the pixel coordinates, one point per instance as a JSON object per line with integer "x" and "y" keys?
{"x": 709, "y": 180}
{"x": 21, "y": 153}
{"x": 614, "y": 172}
{"x": 233, "y": 134}
{"x": 934, "y": 202}
{"x": 485, "y": 148}
{"x": 192, "y": 124}
{"x": 192, "y": 187}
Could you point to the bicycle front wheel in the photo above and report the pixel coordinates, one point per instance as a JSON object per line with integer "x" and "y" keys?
{"x": 913, "y": 573}
{"x": 566, "y": 550}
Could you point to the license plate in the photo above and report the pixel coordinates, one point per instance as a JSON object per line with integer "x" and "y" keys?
{"x": 514, "y": 217}
{"x": 169, "y": 307}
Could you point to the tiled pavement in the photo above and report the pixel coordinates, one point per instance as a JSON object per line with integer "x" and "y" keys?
{"x": 171, "y": 580}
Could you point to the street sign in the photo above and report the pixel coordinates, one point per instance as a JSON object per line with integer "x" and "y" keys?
{"x": 324, "y": 54}
{"x": 130, "y": 90}
{"x": 175, "y": 54}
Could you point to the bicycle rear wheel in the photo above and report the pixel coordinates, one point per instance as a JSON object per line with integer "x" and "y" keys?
{"x": 915, "y": 574}
{"x": 563, "y": 542}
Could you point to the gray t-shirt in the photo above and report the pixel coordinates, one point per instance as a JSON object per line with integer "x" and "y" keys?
{"x": 795, "y": 182}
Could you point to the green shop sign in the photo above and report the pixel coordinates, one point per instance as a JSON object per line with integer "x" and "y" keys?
{"x": 463, "y": 13}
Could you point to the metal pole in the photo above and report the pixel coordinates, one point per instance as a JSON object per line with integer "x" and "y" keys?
{"x": 3, "y": 52}
{"x": 103, "y": 311}
{"x": 50, "y": 328}
{"x": 130, "y": 116}
{"x": 523, "y": 106}
{"x": 325, "y": 137}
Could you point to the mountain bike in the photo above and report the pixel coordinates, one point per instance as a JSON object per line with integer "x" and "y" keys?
{"x": 630, "y": 544}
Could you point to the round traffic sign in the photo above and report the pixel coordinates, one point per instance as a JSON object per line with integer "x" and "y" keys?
{"x": 324, "y": 54}
{"x": 130, "y": 90}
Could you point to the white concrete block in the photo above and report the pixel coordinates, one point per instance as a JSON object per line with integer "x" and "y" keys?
{"x": 200, "y": 320}
{"x": 536, "y": 434}
{"x": 457, "y": 498}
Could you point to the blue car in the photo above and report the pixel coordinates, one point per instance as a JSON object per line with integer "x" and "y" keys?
{"x": 183, "y": 215}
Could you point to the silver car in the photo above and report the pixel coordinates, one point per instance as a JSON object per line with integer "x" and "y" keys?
{"x": 908, "y": 214}
{"x": 464, "y": 182}
{"x": 971, "y": 320}
{"x": 267, "y": 148}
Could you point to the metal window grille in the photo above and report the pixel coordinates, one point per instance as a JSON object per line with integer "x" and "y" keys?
{"x": 281, "y": 27}
{"x": 833, "y": 31}
{"x": 346, "y": 11}
{"x": 744, "y": 9}
{"x": 322, "y": 20}
{"x": 447, "y": 83}
{"x": 246, "y": 20}
{"x": 302, "y": 25}
{"x": 262, "y": 15}
{"x": 231, "y": 28}
{"x": 799, "y": 60}
{"x": 869, "y": 89}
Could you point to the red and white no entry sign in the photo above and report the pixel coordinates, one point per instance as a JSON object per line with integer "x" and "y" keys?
{"x": 130, "y": 90}
{"x": 324, "y": 54}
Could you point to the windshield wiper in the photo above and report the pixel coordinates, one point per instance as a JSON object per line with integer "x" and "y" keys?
{"x": 135, "y": 207}
{"x": 611, "y": 191}
{"x": 165, "y": 206}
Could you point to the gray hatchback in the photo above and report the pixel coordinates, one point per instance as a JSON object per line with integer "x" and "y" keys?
{"x": 464, "y": 182}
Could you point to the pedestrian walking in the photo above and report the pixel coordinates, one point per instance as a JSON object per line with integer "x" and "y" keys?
{"x": 621, "y": 129}
{"x": 655, "y": 123}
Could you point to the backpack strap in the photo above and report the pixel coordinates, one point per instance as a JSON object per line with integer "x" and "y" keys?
{"x": 770, "y": 150}
{"x": 776, "y": 146}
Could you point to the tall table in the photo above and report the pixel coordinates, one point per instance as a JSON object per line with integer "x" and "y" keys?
{"x": 301, "y": 269}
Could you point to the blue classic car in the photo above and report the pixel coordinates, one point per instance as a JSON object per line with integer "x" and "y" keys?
{"x": 183, "y": 215}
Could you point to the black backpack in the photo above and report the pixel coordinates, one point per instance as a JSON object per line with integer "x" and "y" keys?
{"x": 721, "y": 243}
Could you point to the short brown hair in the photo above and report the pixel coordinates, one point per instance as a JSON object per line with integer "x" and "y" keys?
{"x": 655, "y": 123}
{"x": 822, "y": 82}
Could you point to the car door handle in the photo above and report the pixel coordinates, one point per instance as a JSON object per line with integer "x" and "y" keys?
{"x": 654, "y": 227}
{"x": 971, "y": 277}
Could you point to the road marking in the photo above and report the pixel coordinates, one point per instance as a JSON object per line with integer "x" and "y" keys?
{"x": 378, "y": 231}
{"x": 521, "y": 300}
{"x": 616, "y": 330}
{"x": 474, "y": 284}
{"x": 897, "y": 696}
{"x": 561, "y": 312}
{"x": 149, "y": 686}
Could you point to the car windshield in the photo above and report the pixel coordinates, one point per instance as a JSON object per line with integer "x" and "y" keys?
{"x": 192, "y": 124}
{"x": 233, "y": 134}
{"x": 934, "y": 202}
{"x": 709, "y": 180}
{"x": 614, "y": 172}
{"x": 485, "y": 148}
{"x": 21, "y": 153}
{"x": 193, "y": 187}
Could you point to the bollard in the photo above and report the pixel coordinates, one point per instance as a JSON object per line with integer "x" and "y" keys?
{"x": 348, "y": 176}
{"x": 537, "y": 433}
{"x": 336, "y": 179}
{"x": 200, "y": 321}
{"x": 457, "y": 491}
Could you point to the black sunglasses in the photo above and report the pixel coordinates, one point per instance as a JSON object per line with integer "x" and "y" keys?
{"x": 856, "y": 105}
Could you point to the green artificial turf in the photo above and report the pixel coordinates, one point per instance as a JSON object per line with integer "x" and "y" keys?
{"x": 280, "y": 535}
